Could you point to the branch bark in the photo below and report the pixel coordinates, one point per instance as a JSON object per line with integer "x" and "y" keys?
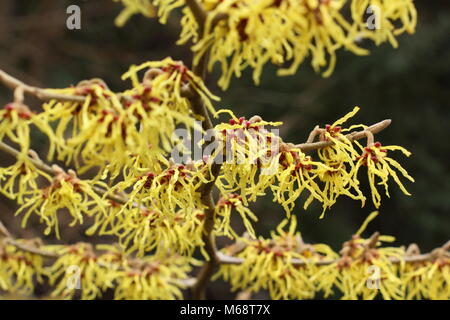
{"x": 199, "y": 109}
{"x": 39, "y": 93}
{"x": 377, "y": 127}
{"x": 207, "y": 271}
{"x": 41, "y": 165}
{"x": 230, "y": 260}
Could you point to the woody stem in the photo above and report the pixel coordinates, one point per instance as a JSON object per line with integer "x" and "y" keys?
{"x": 39, "y": 93}
{"x": 199, "y": 109}
{"x": 230, "y": 260}
{"x": 373, "y": 129}
{"x": 41, "y": 165}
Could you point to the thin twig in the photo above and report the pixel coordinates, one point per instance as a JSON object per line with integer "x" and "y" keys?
{"x": 41, "y": 165}
{"x": 199, "y": 109}
{"x": 208, "y": 225}
{"x": 230, "y": 260}
{"x": 4, "y": 232}
{"x": 39, "y": 93}
{"x": 377, "y": 127}
{"x": 15, "y": 153}
{"x": 31, "y": 249}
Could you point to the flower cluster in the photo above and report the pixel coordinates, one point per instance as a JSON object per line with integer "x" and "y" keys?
{"x": 267, "y": 264}
{"x": 379, "y": 165}
{"x": 145, "y": 230}
{"x": 168, "y": 187}
{"x": 122, "y": 131}
{"x": 17, "y": 179}
{"x": 154, "y": 278}
{"x": 133, "y": 7}
{"x": 364, "y": 270}
{"x": 428, "y": 280}
{"x": 248, "y": 33}
{"x": 18, "y": 269}
{"x": 163, "y": 211}
{"x": 78, "y": 268}
{"x": 157, "y": 206}
{"x": 223, "y": 215}
{"x": 15, "y": 121}
{"x": 64, "y": 191}
{"x": 246, "y": 148}
{"x": 290, "y": 269}
{"x": 297, "y": 173}
{"x": 151, "y": 277}
{"x": 262, "y": 161}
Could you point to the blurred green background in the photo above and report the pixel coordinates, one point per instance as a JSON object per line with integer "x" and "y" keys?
{"x": 410, "y": 85}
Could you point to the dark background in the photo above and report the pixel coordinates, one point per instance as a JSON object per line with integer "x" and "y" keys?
{"x": 409, "y": 85}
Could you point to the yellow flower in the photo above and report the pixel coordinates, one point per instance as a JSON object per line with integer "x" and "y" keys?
{"x": 379, "y": 165}
{"x": 103, "y": 224}
{"x": 339, "y": 178}
{"x": 223, "y": 215}
{"x": 15, "y": 121}
{"x": 133, "y": 7}
{"x": 17, "y": 179}
{"x": 66, "y": 190}
{"x": 18, "y": 269}
{"x": 166, "y": 6}
{"x": 248, "y": 33}
{"x": 429, "y": 279}
{"x": 246, "y": 148}
{"x": 153, "y": 278}
{"x": 320, "y": 30}
{"x": 109, "y": 138}
{"x": 170, "y": 187}
{"x": 77, "y": 270}
{"x": 388, "y": 19}
{"x": 253, "y": 33}
{"x": 146, "y": 230}
{"x": 120, "y": 132}
{"x": 96, "y": 130}
{"x": 14, "y": 124}
{"x": 167, "y": 79}
{"x": 297, "y": 173}
{"x": 268, "y": 264}
{"x": 364, "y": 269}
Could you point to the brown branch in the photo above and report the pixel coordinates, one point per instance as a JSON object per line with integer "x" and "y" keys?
{"x": 217, "y": 18}
{"x": 31, "y": 249}
{"x": 37, "y": 163}
{"x": 199, "y": 109}
{"x": 230, "y": 260}
{"x": 52, "y": 255}
{"x": 205, "y": 190}
{"x": 39, "y": 93}
{"x": 377, "y": 127}
{"x": 41, "y": 165}
{"x": 207, "y": 271}
{"x": 4, "y": 232}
